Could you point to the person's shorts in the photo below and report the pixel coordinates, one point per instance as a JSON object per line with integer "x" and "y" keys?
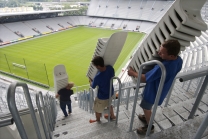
{"x": 99, "y": 105}
{"x": 146, "y": 105}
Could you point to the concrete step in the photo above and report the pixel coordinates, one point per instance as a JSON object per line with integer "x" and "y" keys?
{"x": 117, "y": 133}
{"x": 185, "y": 130}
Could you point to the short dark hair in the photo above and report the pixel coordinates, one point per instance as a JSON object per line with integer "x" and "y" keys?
{"x": 98, "y": 61}
{"x": 173, "y": 47}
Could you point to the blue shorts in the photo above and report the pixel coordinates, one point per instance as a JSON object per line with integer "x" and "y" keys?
{"x": 146, "y": 105}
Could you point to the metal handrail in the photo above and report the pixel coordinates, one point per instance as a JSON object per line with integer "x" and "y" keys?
{"x": 91, "y": 99}
{"x": 38, "y": 95}
{"x": 53, "y": 115}
{"x": 46, "y": 113}
{"x": 185, "y": 77}
{"x": 48, "y": 108}
{"x": 85, "y": 100}
{"x": 170, "y": 92}
{"x": 111, "y": 83}
{"x": 199, "y": 85}
{"x": 54, "y": 108}
{"x": 14, "y": 111}
{"x": 51, "y": 111}
{"x": 193, "y": 74}
{"x": 199, "y": 97}
{"x": 53, "y": 118}
{"x": 159, "y": 91}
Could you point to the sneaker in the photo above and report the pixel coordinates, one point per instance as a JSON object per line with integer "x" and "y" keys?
{"x": 142, "y": 118}
{"x": 143, "y": 130}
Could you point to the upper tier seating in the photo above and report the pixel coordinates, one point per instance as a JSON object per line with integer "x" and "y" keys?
{"x": 133, "y": 9}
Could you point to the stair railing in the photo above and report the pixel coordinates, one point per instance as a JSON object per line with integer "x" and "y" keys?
{"x": 111, "y": 84}
{"x": 159, "y": 91}
{"x": 49, "y": 110}
{"x": 44, "y": 123}
{"x": 185, "y": 76}
{"x": 195, "y": 74}
{"x": 91, "y": 99}
{"x": 15, "y": 113}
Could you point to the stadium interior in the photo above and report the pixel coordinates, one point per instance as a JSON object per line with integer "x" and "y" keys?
{"x": 29, "y": 110}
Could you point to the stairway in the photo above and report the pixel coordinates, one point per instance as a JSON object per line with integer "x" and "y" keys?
{"x": 170, "y": 122}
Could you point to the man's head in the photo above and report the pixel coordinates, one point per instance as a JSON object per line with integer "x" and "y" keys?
{"x": 169, "y": 50}
{"x": 69, "y": 85}
{"x": 98, "y": 62}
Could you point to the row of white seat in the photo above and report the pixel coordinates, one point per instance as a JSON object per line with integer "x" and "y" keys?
{"x": 26, "y": 27}
{"x": 143, "y": 10}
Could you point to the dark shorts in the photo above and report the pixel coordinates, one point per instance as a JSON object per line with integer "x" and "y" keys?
{"x": 146, "y": 105}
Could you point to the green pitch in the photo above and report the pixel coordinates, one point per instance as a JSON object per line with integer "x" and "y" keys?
{"x": 73, "y": 48}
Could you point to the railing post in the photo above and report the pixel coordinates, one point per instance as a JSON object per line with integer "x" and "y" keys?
{"x": 48, "y": 111}
{"x": 86, "y": 100}
{"x": 55, "y": 108}
{"x": 83, "y": 100}
{"x": 135, "y": 98}
{"x": 199, "y": 97}
{"x": 183, "y": 84}
{"x": 41, "y": 114}
{"x": 118, "y": 102}
{"x": 127, "y": 99}
{"x": 169, "y": 93}
{"x": 92, "y": 99}
{"x": 53, "y": 115}
{"x": 199, "y": 86}
{"x": 52, "y": 111}
{"x": 78, "y": 98}
{"x": 46, "y": 114}
{"x": 190, "y": 81}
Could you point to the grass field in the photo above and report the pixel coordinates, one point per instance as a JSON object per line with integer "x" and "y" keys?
{"x": 73, "y": 48}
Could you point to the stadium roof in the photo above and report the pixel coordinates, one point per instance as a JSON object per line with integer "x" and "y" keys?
{"x": 35, "y": 12}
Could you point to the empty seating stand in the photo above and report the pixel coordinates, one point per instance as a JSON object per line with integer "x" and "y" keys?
{"x": 21, "y": 28}
{"x": 38, "y": 24}
{"x": 132, "y": 9}
{"x": 6, "y": 34}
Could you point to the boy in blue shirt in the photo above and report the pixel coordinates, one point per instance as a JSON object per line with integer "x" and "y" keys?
{"x": 169, "y": 51}
{"x": 102, "y": 80}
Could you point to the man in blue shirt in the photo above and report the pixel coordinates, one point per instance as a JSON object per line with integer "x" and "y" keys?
{"x": 102, "y": 80}
{"x": 169, "y": 51}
